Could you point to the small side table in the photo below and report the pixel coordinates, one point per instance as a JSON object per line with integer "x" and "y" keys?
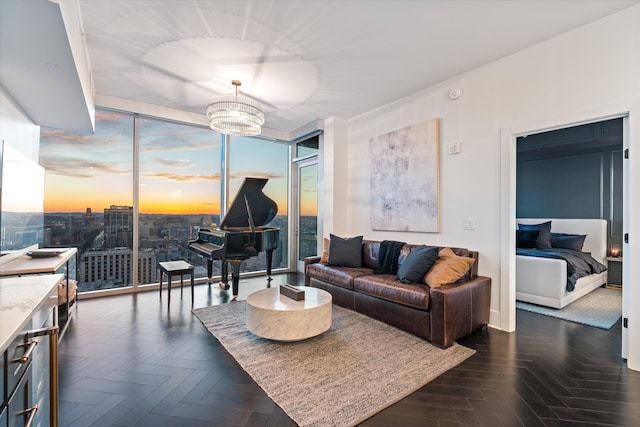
{"x": 175, "y": 268}
{"x": 614, "y": 275}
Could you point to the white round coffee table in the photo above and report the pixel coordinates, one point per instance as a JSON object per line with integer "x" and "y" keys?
{"x": 277, "y": 317}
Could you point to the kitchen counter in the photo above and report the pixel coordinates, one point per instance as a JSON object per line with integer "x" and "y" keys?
{"x": 20, "y": 297}
{"x": 25, "y": 264}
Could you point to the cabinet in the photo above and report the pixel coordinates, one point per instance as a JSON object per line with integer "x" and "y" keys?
{"x": 28, "y": 350}
{"x": 614, "y": 273}
{"x": 20, "y": 408}
{"x": 64, "y": 262}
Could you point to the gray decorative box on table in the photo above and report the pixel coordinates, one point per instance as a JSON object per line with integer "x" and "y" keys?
{"x": 292, "y": 292}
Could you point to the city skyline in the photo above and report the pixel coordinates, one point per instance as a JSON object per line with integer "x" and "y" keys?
{"x": 179, "y": 167}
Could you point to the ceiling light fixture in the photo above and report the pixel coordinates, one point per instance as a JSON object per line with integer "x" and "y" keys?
{"x": 235, "y": 115}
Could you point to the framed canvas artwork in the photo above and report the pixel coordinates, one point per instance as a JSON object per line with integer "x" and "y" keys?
{"x": 405, "y": 171}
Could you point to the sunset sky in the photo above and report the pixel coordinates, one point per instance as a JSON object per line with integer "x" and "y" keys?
{"x": 179, "y": 167}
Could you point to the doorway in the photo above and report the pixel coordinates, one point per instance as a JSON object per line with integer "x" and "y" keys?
{"x": 305, "y": 198}
{"x": 573, "y": 172}
{"x": 508, "y": 209}
{"x": 307, "y": 211}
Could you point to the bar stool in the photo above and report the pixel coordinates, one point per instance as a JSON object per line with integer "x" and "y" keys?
{"x": 175, "y": 268}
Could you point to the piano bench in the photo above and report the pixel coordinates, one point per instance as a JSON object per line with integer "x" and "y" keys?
{"x": 175, "y": 268}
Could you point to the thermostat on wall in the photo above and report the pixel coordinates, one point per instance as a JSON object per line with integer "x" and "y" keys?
{"x": 455, "y": 93}
{"x": 455, "y": 148}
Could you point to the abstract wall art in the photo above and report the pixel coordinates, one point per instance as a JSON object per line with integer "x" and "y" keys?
{"x": 405, "y": 189}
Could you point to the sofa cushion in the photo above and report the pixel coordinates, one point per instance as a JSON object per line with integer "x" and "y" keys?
{"x": 339, "y": 276}
{"x": 370, "y": 253}
{"x": 417, "y": 263}
{"x": 388, "y": 287}
{"x": 345, "y": 252}
{"x": 448, "y": 268}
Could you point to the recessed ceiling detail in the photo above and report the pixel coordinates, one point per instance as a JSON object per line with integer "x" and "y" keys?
{"x": 303, "y": 60}
{"x": 190, "y": 71}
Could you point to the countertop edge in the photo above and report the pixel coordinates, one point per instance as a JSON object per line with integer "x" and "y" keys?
{"x": 18, "y": 321}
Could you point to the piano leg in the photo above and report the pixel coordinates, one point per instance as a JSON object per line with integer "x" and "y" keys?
{"x": 269, "y": 253}
{"x": 209, "y": 270}
{"x": 224, "y": 274}
{"x": 235, "y": 275}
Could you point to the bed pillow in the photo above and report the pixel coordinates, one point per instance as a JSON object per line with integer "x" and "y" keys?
{"x": 417, "y": 263}
{"x": 568, "y": 241}
{"x": 544, "y": 235}
{"x": 345, "y": 252}
{"x": 448, "y": 268}
{"x": 526, "y": 239}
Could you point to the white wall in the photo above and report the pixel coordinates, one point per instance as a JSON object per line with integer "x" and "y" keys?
{"x": 17, "y": 129}
{"x": 335, "y": 166}
{"x": 589, "y": 73}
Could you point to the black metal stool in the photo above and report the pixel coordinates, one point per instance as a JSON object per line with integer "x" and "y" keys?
{"x": 175, "y": 268}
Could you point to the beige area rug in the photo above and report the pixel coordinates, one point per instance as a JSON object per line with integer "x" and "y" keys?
{"x": 340, "y": 378}
{"x": 600, "y": 308}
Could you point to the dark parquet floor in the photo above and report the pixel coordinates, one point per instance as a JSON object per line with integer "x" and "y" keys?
{"x": 129, "y": 361}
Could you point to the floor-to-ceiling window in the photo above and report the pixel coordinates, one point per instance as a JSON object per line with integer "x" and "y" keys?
{"x": 90, "y": 202}
{"x": 306, "y": 169}
{"x": 89, "y": 198}
{"x": 261, "y": 158}
{"x": 179, "y": 193}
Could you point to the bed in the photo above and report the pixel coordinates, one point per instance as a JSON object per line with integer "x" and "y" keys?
{"x": 543, "y": 281}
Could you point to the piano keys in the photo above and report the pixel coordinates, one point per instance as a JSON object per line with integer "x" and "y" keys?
{"x": 242, "y": 233}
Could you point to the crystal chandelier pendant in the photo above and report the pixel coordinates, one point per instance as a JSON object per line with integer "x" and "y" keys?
{"x": 235, "y": 115}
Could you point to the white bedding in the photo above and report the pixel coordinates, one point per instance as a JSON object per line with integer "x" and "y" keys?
{"x": 543, "y": 281}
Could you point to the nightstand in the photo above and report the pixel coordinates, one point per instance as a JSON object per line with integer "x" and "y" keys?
{"x": 614, "y": 274}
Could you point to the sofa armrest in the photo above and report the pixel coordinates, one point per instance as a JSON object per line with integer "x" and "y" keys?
{"x": 458, "y": 309}
{"x": 307, "y": 261}
{"x": 474, "y": 267}
{"x": 311, "y": 260}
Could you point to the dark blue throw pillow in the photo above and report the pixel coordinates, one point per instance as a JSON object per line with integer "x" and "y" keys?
{"x": 417, "y": 263}
{"x": 345, "y": 252}
{"x": 526, "y": 239}
{"x": 544, "y": 235}
{"x": 568, "y": 241}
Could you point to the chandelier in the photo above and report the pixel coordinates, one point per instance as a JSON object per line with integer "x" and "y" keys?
{"x": 235, "y": 115}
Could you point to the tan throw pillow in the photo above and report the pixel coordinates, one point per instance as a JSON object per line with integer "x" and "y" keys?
{"x": 448, "y": 268}
{"x": 325, "y": 251}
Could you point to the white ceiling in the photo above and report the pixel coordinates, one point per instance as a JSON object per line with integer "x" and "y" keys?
{"x": 308, "y": 60}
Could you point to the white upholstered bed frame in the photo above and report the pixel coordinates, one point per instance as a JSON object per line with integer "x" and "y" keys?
{"x": 543, "y": 281}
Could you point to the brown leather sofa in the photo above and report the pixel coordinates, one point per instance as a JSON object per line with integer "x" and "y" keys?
{"x": 441, "y": 314}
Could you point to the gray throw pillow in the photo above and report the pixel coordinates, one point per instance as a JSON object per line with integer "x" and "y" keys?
{"x": 568, "y": 241}
{"x": 417, "y": 263}
{"x": 345, "y": 252}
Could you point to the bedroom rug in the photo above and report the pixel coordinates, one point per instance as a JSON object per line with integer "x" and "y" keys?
{"x": 340, "y": 378}
{"x": 600, "y": 308}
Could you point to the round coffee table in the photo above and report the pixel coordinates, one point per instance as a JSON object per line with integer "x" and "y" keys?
{"x": 277, "y": 317}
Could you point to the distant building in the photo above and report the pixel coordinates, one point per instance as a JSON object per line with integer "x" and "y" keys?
{"x": 111, "y": 268}
{"x": 118, "y": 227}
{"x": 147, "y": 266}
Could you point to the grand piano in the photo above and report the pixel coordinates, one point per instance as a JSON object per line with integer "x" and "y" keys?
{"x": 242, "y": 233}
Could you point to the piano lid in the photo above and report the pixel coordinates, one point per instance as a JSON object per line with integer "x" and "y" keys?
{"x": 263, "y": 209}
